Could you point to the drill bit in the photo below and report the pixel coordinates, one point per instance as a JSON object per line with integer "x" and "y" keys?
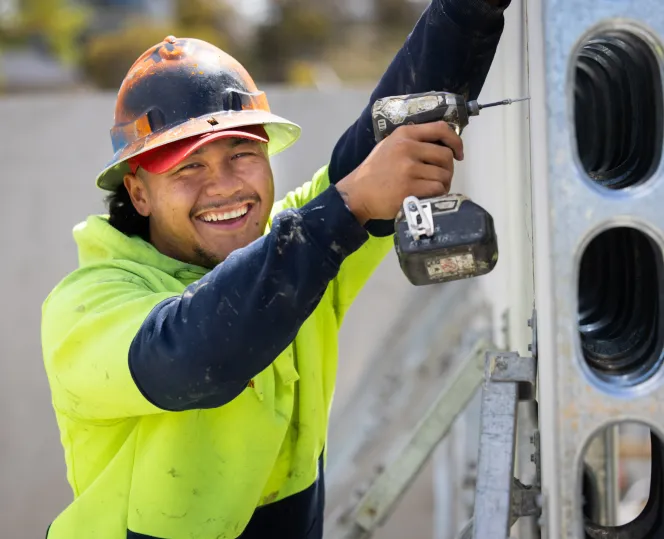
{"x": 503, "y": 102}
{"x": 473, "y": 107}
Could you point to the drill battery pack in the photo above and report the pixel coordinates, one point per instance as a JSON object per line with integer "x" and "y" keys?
{"x": 461, "y": 241}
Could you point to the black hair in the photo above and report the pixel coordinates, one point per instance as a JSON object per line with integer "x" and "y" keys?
{"x": 124, "y": 217}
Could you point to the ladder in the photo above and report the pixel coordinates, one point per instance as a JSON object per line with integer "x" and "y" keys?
{"x": 504, "y": 379}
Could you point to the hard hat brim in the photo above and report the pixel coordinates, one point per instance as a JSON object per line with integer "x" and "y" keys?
{"x": 164, "y": 158}
{"x": 283, "y": 133}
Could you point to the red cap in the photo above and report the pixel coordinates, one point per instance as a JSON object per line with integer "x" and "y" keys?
{"x": 164, "y": 158}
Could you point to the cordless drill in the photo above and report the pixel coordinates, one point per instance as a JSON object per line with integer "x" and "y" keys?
{"x": 444, "y": 238}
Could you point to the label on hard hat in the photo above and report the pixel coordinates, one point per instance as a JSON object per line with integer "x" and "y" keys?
{"x": 448, "y": 266}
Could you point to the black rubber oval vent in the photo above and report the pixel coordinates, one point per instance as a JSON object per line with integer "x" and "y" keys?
{"x": 618, "y": 109}
{"x": 619, "y": 305}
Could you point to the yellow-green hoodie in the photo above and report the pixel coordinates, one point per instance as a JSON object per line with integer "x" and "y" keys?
{"x": 167, "y": 430}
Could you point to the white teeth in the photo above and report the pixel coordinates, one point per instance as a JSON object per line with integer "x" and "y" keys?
{"x": 225, "y": 215}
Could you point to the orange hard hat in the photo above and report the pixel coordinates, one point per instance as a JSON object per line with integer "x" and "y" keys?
{"x": 185, "y": 87}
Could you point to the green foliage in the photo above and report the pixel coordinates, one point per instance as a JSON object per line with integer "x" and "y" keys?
{"x": 304, "y": 38}
{"x": 109, "y": 56}
{"x": 55, "y": 22}
{"x": 202, "y": 13}
{"x": 299, "y": 32}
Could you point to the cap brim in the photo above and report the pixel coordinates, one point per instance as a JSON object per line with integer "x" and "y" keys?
{"x": 164, "y": 159}
{"x": 282, "y": 134}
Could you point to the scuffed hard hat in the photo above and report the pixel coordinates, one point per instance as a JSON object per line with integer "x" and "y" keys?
{"x": 180, "y": 88}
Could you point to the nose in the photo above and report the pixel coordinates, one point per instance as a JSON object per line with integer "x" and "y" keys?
{"x": 223, "y": 184}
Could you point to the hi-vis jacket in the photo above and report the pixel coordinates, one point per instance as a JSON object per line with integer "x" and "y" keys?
{"x": 195, "y": 403}
{"x": 176, "y": 417}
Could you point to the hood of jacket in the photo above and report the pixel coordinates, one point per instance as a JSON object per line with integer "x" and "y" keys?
{"x": 98, "y": 242}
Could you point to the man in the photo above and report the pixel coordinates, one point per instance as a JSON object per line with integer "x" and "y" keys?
{"x": 192, "y": 355}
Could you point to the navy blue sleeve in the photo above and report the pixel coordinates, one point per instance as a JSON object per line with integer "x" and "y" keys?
{"x": 200, "y": 349}
{"x": 450, "y": 49}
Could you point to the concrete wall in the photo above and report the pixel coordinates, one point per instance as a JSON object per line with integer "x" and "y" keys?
{"x": 50, "y": 150}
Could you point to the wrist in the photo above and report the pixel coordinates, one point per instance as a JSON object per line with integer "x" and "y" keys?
{"x": 326, "y": 223}
{"x": 347, "y": 192}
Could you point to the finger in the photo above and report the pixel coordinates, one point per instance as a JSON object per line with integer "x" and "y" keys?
{"x": 427, "y": 188}
{"x": 432, "y": 173}
{"x": 434, "y": 154}
{"x": 438, "y": 132}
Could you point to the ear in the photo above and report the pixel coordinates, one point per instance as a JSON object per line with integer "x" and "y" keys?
{"x": 138, "y": 193}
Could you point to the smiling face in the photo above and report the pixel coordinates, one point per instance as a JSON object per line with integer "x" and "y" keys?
{"x": 213, "y": 202}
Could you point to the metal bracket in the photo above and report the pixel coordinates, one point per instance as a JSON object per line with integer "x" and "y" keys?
{"x": 412, "y": 209}
{"x": 499, "y": 498}
{"x": 532, "y": 323}
{"x": 526, "y": 502}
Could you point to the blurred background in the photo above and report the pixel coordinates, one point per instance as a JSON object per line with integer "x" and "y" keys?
{"x": 79, "y": 45}
{"x": 61, "y": 63}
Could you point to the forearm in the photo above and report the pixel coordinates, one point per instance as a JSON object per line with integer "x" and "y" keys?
{"x": 200, "y": 349}
{"x": 451, "y": 48}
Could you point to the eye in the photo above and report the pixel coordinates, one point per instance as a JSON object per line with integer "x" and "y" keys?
{"x": 190, "y": 166}
{"x": 242, "y": 154}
